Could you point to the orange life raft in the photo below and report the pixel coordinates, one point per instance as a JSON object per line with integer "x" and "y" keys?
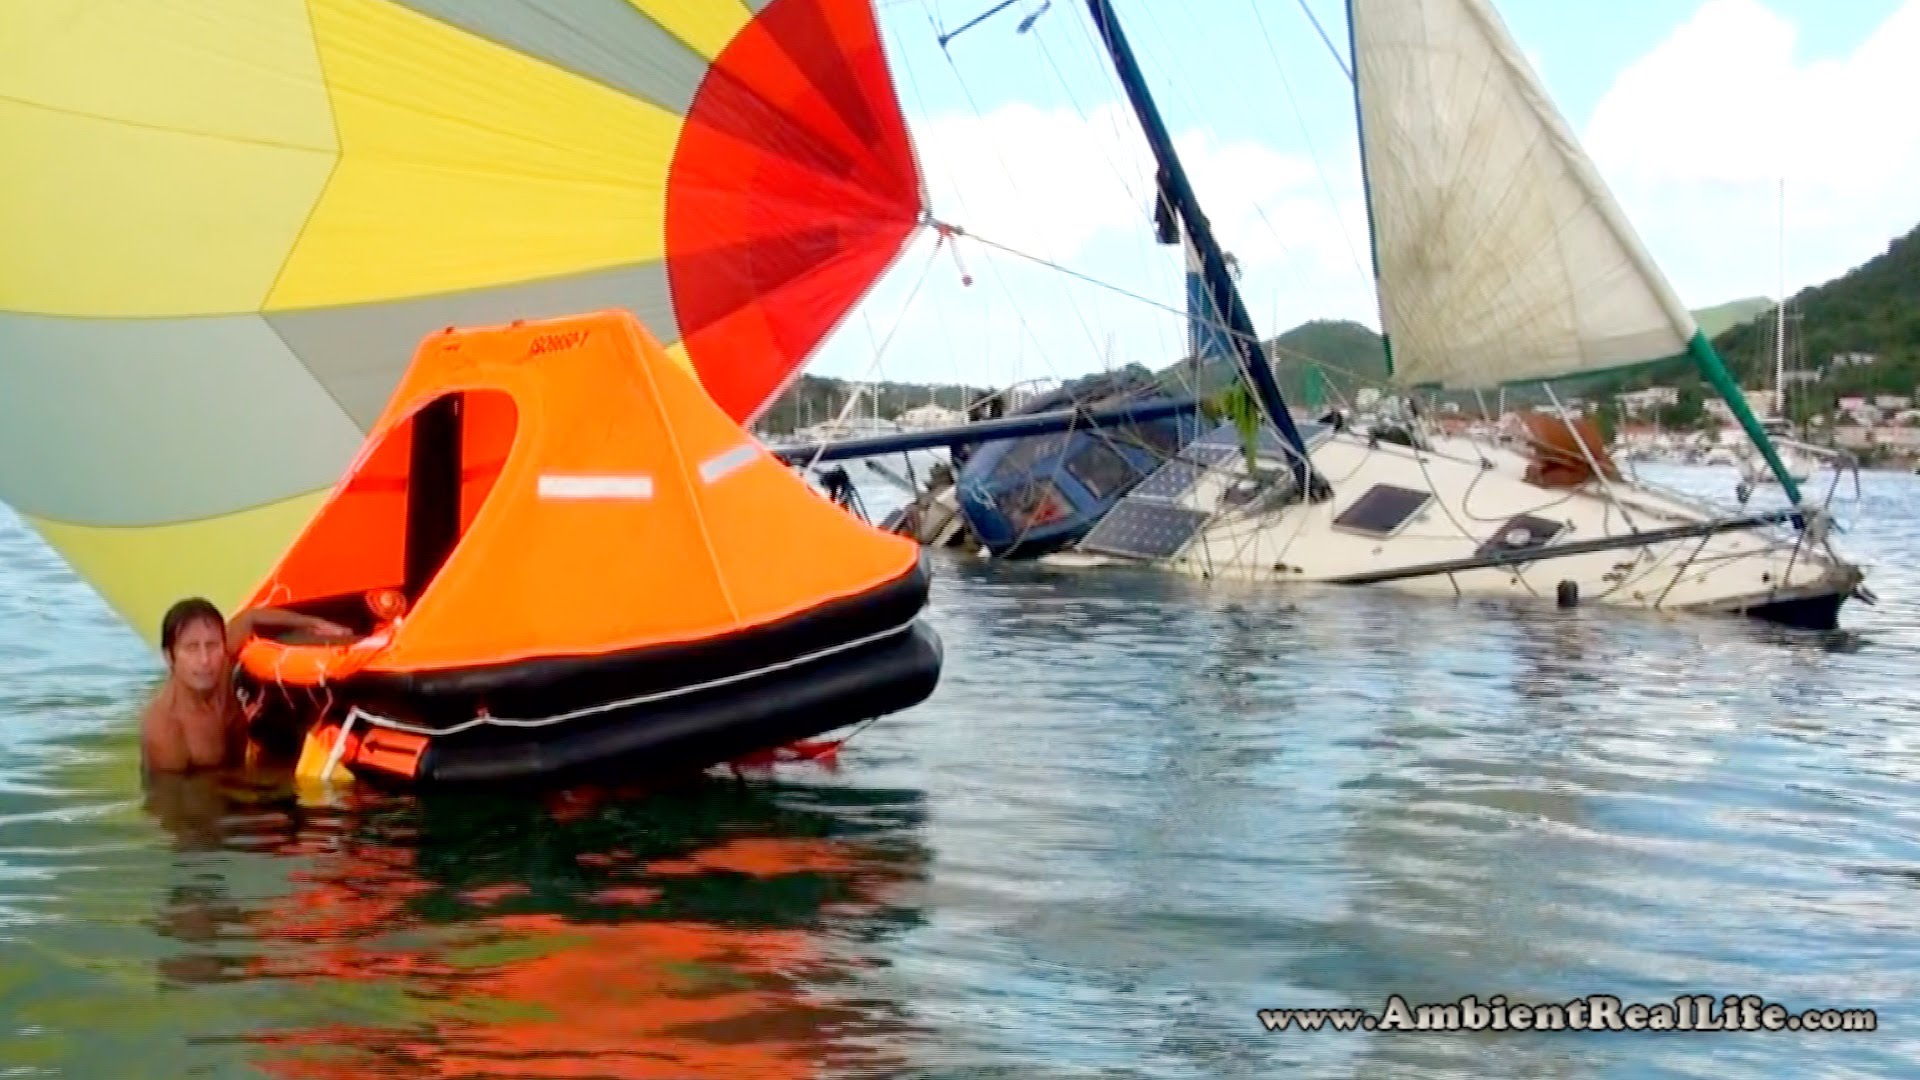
{"x": 561, "y": 557}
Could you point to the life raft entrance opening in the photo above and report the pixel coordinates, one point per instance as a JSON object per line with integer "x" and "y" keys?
{"x": 404, "y": 512}
{"x": 433, "y": 492}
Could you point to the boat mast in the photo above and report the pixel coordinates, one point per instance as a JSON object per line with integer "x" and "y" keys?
{"x": 1780, "y": 317}
{"x": 1225, "y": 293}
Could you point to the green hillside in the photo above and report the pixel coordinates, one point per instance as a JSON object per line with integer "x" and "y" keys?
{"x": 1874, "y": 309}
{"x": 1721, "y": 318}
{"x": 1349, "y": 354}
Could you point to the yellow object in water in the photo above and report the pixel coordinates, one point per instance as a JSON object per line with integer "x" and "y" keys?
{"x": 315, "y": 752}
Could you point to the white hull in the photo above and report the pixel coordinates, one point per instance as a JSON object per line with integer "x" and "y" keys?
{"x": 1726, "y": 572}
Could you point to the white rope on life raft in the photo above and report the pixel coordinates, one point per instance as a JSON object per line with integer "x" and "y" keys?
{"x": 377, "y": 720}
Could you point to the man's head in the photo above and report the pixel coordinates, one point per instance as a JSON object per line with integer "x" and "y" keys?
{"x": 193, "y": 636}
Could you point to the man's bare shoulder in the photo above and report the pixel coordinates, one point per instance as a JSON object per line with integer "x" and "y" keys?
{"x": 159, "y": 706}
{"x": 162, "y": 736}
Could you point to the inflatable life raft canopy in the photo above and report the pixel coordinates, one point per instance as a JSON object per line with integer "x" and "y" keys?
{"x": 557, "y": 552}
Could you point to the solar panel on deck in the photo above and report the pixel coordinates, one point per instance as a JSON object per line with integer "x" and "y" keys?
{"x": 1211, "y": 455}
{"x": 1179, "y": 474}
{"x": 1228, "y": 435}
{"x": 1144, "y": 530}
{"x": 1169, "y": 482}
{"x": 1522, "y": 531}
{"x": 1382, "y": 510}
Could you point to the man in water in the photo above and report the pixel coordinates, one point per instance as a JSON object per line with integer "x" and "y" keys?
{"x": 195, "y": 721}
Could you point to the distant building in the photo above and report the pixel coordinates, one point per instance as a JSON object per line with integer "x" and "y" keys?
{"x": 1892, "y": 402}
{"x": 1019, "y": 395}
{"x": 1859, "y": 437}
{"x": 1653, "y": 398}
{"x": 1852, "y": 436}
{"x": 1852, "y": 359}
{"x": 923, "y": 417}
{"x": 1799, "y": 377}
{"x": 1849, "y": 404}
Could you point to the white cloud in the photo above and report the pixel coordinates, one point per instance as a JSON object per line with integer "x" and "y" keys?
{"x": 1695, "y": 137}
{"x": 1046, "y": 180}
{"x": 1076, "y": 190}
{"x": 1053, "y": 182}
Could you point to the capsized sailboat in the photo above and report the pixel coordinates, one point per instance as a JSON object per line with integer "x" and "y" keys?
{"x": 1482, "y": 284}
{"x": 230, "y": 223}
{"x": 1534, "y": 278}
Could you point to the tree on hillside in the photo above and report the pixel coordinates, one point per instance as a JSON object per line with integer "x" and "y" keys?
{"x": 1869, "y": 309}
{"x": 1606, "y": 417}
{"x": 1687, "y": 410}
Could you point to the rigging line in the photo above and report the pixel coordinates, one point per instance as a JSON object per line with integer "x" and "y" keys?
{"x": 1091, "y": 280}
{"x": 913, "y": 87}
{"x": 1066, "y": 88}
{"x": 1127, "y": 130}
{"x": 1007, "y": 170}
{"x": 1149, "y": 301}
{"x": 1172, "y": 73}
{"x": 962, "y": 376}
{"x": 1313, "y": 150}
{"x": 1134, "y": 197}
{"x": 899, "y": 321}
{"x": 1337, "y": 58}
{"x": 1183, "y": 90}
{"x": 1299, "y": 272}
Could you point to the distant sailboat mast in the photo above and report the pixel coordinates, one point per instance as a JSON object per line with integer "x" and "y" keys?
{"x": 1780, "y": 317}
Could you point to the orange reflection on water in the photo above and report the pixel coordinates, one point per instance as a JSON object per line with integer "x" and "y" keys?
{"x": 626, "y": 938}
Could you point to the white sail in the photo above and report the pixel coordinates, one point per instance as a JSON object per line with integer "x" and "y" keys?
{"x": 1501, "y": 254}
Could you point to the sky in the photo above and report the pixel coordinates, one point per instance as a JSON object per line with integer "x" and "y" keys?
{"x": 1694, "y": 111}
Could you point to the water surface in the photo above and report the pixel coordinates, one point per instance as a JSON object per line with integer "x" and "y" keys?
{"x": 1137, "y": 810}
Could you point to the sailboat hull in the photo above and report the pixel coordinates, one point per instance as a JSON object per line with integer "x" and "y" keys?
{"x": 1408, "y": 518}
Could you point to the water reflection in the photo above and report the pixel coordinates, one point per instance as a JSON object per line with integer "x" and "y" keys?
{"x": 714, "y": 929}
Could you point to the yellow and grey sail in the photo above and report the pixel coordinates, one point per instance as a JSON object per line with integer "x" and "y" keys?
{"x": 1500, "y": 255}
{"x": 228, "y": 223}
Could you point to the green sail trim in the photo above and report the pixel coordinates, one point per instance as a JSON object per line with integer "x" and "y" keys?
{"x": 1716, "y": 372}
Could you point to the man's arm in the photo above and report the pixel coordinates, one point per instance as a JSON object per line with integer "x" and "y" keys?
{"x": 247, "y": 623}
